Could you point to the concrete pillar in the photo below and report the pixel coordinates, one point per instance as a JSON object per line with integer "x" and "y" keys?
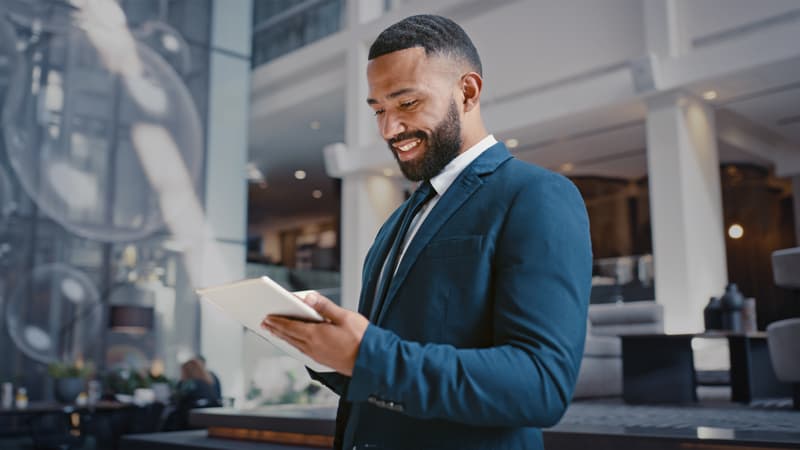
{"x": 363, "y": 11}
{"x": 685, "y": 208}
{"x": 665, "y": 27}
{"x": 221, "y": 339}
{"x": 367, "y": 198}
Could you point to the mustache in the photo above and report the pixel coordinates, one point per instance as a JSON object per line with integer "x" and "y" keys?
{"x": 407, "y": 135}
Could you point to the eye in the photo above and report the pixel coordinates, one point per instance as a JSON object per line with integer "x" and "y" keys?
{"x": 408, "y": 104}
{"x": 378, "y": 112}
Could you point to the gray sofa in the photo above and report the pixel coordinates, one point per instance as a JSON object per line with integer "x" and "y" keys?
{"x": 601, "y": 368}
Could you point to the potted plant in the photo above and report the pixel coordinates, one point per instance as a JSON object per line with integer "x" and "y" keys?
{"x": 162, "y": 387}
{"x": 122, "y": 383}
{"x": 69, "y": 379}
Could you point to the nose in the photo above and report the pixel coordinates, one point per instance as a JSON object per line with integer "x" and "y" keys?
{"x": 390, "y": 125}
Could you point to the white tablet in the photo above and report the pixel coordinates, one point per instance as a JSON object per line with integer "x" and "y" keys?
{"x": 250, "y": 301}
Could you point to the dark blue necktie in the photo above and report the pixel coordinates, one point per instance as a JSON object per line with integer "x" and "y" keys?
{"x": 421, "y": 196}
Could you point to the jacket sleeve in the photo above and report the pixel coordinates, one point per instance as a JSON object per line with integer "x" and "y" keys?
{"x": 332, "y": 380}
{"x": 541, "y": 281}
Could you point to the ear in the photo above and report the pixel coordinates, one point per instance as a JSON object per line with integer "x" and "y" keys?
{"x": 471, "y": 84}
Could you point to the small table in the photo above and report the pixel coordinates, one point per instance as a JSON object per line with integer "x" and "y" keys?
{"x": 38, "y": 408}
{"x": 659, "y": 368}
{"x": 105, "y": 420}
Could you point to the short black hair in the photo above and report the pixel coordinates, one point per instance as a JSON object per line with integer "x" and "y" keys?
{"x": 436, "y": 34}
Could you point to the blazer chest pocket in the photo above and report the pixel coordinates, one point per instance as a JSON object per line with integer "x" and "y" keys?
{"x": 454, "y": 247}
{"x": 455, "y": 273}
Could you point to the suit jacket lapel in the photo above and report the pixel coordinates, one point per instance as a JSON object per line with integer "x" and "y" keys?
{"x": 462, "y": 188}
{"x": 373, "y": 263}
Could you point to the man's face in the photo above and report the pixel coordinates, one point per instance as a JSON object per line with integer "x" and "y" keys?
{"x": 413, "y": 99}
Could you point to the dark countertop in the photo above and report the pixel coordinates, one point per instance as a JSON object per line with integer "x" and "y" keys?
{"x": 304, "y": 419}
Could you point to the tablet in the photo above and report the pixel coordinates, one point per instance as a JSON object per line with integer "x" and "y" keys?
{"x": 250, "y": 301}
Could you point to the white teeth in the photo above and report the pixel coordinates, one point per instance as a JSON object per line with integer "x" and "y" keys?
{"x": 408, "y": 146}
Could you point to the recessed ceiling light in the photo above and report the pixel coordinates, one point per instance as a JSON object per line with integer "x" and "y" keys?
{"x": 388, "y": 172}
{"x": 735, "y": 231}
{"x": 512, "y": 143}
{"x": 710, "y": 95}
{"x": 314, "y": 125}
{"x": 316, "y": 193}
{"x": 300, "y": 174}
{"x": 567, "y": 167}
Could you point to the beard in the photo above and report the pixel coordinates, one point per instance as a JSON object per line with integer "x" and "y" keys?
{"x": 441, "y": 146}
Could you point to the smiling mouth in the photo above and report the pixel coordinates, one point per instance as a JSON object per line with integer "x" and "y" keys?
{"x": 408, "y": 146}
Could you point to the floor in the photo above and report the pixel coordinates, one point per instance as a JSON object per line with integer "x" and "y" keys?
{"x": 713, "y": 411}
{"x": 714, "y": 419}
{"x": 713, "y": 422}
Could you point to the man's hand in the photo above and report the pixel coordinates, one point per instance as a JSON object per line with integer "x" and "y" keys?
{"x": 333, "y": 343}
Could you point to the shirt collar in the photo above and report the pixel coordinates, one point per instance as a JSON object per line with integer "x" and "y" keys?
{"x": 453, "y": 169}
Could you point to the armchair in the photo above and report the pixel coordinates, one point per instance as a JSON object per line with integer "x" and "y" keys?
{"x": 782, "y": 339}
{"x": 601, "y": 368}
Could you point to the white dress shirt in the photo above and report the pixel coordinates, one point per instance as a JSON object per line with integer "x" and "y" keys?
{"x": 441, "y": 183}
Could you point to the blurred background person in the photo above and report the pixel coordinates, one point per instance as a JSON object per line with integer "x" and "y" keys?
{"x": 216, "y": 384}
{"x": 196, "y": 389}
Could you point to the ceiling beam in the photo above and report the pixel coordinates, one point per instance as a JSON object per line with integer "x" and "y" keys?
{"x": 758, "y": 141}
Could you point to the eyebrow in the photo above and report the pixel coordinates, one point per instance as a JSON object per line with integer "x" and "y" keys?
{"x": 395, "y": 94}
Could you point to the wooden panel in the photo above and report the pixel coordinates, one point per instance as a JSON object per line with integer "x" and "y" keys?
{"x": 312, "y": 440}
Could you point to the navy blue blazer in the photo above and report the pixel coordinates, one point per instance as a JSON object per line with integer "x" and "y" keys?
{"x": 480, "y": 338}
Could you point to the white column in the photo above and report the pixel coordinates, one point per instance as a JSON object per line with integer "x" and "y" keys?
{"x": 363, "y": 11}
{"x": 367, "y": 198}
{"x": 685, "y": 208}
{"x": 221, "y": 339}
{"x": 665, "y": 27}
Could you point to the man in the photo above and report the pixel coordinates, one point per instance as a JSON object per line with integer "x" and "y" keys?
{"x": 471, "y": 330}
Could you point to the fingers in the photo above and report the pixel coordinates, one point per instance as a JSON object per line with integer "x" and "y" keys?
{"x": 325, "y": 307}
{"x": 287, "y": 329}
{"x": 295, "y": 343}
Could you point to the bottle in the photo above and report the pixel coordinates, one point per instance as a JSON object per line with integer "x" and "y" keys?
{"x": 22, "y": 398}
{"x": 712, "y": 315}
{"x": 732, "y": 304}
{"x": 749, "y": 322}
{"x": 94, "y": 392}
{"x": 8, "y": 395}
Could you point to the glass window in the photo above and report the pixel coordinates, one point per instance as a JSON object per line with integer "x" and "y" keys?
{"x": 281, "y": 26}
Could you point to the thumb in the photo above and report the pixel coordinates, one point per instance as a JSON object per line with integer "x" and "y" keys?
{"x": 325, "y": 306}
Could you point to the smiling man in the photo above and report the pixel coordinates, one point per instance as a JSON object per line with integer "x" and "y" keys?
{"x": 472, "y": 313}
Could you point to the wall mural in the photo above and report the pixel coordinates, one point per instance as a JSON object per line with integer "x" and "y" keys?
{"x": 89, "y": 113}
{"x": 7, "y": 203}
{"x": 101, "y": 137}
{"x": 54, "y": 314}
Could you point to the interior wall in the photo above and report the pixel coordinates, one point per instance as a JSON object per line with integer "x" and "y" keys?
{"x": 618, "y": 216}
{"x": 599, "y": 34}
{"x": 752, "y": 199}
{"x": 279, "y": 240}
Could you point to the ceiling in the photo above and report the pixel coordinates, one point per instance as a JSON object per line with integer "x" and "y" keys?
{"x": 286, "y": 142}
{"x": 611, "y": 142}
{"x": 777, "y": 109}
